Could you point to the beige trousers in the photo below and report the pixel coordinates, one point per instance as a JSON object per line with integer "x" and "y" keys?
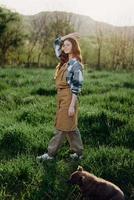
{"x": 73, "y": 137}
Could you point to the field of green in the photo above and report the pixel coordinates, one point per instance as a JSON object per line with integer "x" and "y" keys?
{"x": 27, "y": 113}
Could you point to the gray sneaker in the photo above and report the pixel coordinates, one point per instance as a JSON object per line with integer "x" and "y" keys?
{"x": 45, "y": 156}
{"x": 75, "y": 156}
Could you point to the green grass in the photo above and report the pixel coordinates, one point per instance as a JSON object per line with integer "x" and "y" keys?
{"x": 27, "y": 113}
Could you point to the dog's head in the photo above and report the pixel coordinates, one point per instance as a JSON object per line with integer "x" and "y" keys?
{"x": 77, "y": 177}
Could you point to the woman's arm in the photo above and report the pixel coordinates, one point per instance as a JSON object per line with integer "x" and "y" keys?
{"x": 57, "y": 46}
{"x": 73, "y": 101}
{"x": 76, "y": 85}
{"x": 59, "y": 40}
{"x": 77, "y": 79}
{"x": 71, "y": 110}
{"x": 74, "y": 35}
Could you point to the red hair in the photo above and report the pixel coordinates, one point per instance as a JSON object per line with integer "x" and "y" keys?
{"x": 76, "y": 51}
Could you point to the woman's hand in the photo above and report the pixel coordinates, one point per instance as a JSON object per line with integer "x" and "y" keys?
{"x": 72, "y": 106}
{"x": 71, "y": 111}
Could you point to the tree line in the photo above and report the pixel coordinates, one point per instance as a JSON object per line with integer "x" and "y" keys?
{"x": 34, "y": 48}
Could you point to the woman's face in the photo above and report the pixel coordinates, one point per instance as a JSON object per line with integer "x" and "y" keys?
{"x": 67, "y": 47}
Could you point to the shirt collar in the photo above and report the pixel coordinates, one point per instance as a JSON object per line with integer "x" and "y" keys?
{"x": 70, "y": 62}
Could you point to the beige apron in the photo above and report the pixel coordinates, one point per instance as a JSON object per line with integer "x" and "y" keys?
{"x": 63, "y": 121}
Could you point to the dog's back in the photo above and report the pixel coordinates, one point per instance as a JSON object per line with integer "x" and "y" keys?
{"x": 95, "y": 188}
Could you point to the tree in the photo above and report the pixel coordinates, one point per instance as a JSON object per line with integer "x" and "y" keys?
{"x": 43, "y": 32}
{"x": 10, "y": 33}
{"x": 99, "y": 39}
{"x": 119, "y": 49}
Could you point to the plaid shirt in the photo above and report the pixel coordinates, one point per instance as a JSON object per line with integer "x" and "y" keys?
{"x": 74, "y": 70}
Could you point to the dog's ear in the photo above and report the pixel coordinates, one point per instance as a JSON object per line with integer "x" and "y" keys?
{"x": 80, "y": 169}
{"x": 82, "y": 180}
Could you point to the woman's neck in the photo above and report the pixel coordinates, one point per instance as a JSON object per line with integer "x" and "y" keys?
{"x": 70, "y": 56}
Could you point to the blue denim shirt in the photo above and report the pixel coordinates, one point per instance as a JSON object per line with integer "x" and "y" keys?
{"x": 74, "y": 70}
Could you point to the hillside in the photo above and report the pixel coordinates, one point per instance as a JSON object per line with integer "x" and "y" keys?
{"x": 83, "y": 24}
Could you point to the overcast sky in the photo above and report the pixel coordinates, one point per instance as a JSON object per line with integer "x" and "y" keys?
{"x": 117, "y": 12}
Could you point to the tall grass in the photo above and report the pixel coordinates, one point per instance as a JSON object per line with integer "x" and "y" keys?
{"x": 27, "y": 114}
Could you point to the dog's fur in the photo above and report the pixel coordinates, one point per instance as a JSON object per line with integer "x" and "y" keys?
{"x": 95, "y": 188}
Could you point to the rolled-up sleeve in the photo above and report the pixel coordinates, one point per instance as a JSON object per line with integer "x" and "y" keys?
{"x": 77, "y": 79}
{"x": 57, "y": 46}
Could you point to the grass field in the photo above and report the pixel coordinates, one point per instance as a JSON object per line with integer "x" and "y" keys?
{"x": 27, "y": 113}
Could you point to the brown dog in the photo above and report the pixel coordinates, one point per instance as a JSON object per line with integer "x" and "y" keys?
{"x": 95, "y": 188}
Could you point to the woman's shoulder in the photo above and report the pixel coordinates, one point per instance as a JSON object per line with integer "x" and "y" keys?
{"x": 76, "y": 64}
{"x": 73, "y": 61}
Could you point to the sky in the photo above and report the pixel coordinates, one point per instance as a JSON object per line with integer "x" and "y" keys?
{"x": 116, "y": 12}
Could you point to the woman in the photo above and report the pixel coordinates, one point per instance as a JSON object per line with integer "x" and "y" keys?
{"x": 69, "y": 79}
